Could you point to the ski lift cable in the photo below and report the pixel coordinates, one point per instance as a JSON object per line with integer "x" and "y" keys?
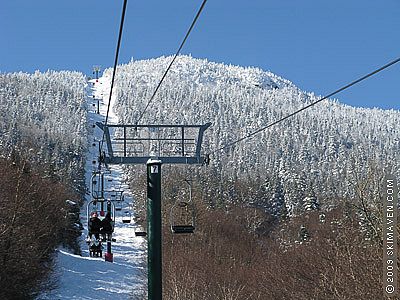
{"x": 307, "y": 106}
{"x": 115, "y": 68}
{"x": 173, "y": 60}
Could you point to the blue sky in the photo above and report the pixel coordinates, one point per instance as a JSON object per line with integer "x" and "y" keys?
{"x": 318, "y": 45}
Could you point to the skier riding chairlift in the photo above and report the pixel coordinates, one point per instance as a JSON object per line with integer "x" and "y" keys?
{"x": 106, "y": 225}
{"x": 94, "y": 225}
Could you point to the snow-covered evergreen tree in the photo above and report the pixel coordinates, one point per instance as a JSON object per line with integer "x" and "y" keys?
{"x": 45, "y": 112}
{"x": 314, "y": 148}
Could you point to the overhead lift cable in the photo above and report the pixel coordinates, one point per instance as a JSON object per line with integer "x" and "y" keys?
{"x": 306, "y": 107}
{"x": 173, "y": 60}
{"x": 121, "y": 26}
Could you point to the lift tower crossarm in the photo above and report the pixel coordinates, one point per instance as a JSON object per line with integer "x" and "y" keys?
{"x": 135, "y": 144}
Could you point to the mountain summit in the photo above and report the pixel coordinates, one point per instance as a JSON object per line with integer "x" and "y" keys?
{"x": 320, "y": 150}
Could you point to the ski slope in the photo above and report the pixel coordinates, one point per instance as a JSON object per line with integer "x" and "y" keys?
{"x": 85, "y": 277}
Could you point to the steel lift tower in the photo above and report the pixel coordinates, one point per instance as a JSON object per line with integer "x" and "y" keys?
{"x": 153, "y": 145}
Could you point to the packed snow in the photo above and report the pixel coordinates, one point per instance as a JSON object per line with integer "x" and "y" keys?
{"x": 85, "y": 277}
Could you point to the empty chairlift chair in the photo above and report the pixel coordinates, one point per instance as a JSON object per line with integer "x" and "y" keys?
{"x": 118, "y": 205}
{"x": 139, "y": 231}
{"x": 127, "y": 217}
{"x": 182, "y": 217}
{"x": 117, "y": 198}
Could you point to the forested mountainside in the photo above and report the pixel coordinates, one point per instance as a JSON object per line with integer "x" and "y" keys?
{"x": 45, "y": 113}
{"x": 307, "y": 161}
{"x": 42, "y": 142}
{"x": 294, "y": 212}
{"x": 325, "y": 157}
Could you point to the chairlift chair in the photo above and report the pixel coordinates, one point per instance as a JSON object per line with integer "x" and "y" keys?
{"x": 182, "y": 218}
{"x": 95, "y": 206}
{"x": 182, "y": 215}
{"x": 118, "y": 205}
{"x": 139, "y": 231}
{"x": 127, "y": 217}
{"x": 97, "y": 185}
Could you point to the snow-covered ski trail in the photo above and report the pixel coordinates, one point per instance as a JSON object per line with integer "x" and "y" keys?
{"x": 85, "y": 277}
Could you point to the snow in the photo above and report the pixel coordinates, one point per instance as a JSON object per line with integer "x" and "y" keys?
{"x": 85, "y": 277}
{"x": 92, "y": 278}
{"x": 321, "y": 150}
{"x": 331, "y": 140}
{"x": 70, "y": 202}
